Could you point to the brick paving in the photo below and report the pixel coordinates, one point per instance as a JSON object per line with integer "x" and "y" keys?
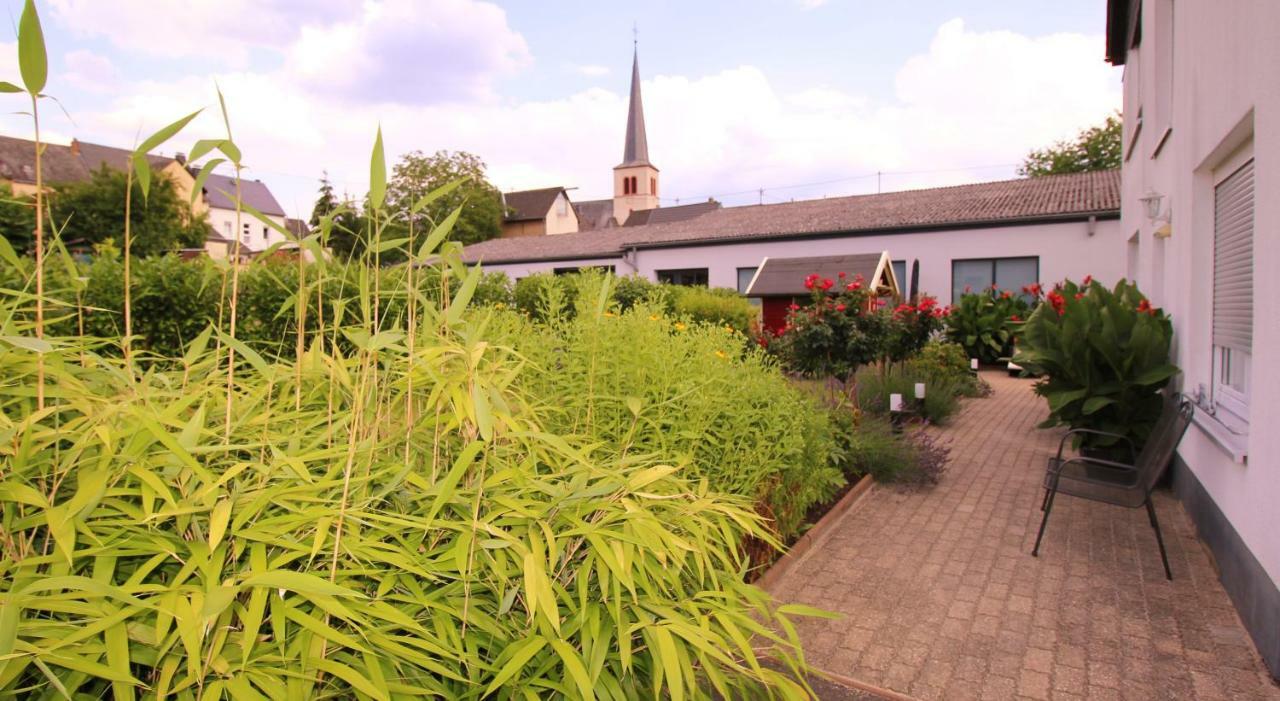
{"x": 941, "y": 598}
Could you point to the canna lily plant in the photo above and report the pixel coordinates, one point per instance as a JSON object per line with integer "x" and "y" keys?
{"x": 1104, "y": 355}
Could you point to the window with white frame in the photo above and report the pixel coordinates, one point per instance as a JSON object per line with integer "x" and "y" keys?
{"x": 226, "y": 228}
{"x": 1233, "y": 201}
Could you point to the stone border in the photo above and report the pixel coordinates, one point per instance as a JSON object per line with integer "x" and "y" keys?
{"x": 816, "y": 534}
{"x": 851, "y": 683}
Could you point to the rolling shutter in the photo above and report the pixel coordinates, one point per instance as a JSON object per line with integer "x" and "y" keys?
{"x": 1233, "y": 260}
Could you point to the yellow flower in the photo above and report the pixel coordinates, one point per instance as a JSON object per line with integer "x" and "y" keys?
{"x": 680, "y": 326}
{"x": 730, "y": 329}
{"x": 722, "y": 355}
{"x": 610, "y": 314}
{"x": 500, "y": 305}
{"x": 653, "y": 317}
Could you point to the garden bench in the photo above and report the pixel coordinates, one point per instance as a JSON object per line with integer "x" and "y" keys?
{"x": 1128, "y": 485}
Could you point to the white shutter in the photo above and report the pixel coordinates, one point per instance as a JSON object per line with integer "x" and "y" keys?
{"x": 1233, "y": 260}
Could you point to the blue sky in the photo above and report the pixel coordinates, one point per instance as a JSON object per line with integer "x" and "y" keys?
{"x": 803, "y": 98}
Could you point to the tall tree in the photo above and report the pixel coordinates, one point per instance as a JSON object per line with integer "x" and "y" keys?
{"x": 417, "y": 174}
{"x": 325, "y": 203}
{"x": 93, "y": 211}
{"x": 1096, "y": 148}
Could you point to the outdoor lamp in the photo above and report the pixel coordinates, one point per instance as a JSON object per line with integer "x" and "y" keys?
{"x": 1151, "y": 201}
{"x": 895, "y": 402}
{"x": 919, "y": 390}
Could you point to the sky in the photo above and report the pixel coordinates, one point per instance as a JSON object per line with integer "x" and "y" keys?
{"x": 745, "y": 100}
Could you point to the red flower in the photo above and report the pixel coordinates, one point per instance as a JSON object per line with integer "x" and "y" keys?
{"x": 1145, "y": 306}
{"x": 853, "y": 286}
{"x": 841, "y": 275}
{"x": 927, "y": 303}
{"x": 1088, "y": 279}
{"x": 827, "y": 283}
{"x": 1058, "y": 302}
{"x": 1079, "y": 295}
{"x": 1015, "y": 317}
{"x": 840, "y": 307}
{"x": 880, "y": 303}
{"x": 794, "y": 307}
{"x": 903, "y": 309}
{"x": 808, "y": 284}
{"x": 1005, "y": 295}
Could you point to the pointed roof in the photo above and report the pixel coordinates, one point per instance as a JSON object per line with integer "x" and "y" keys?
{"x": 636, "y": 147}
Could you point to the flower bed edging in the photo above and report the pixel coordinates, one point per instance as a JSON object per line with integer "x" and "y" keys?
{"x": 815, "y": 535}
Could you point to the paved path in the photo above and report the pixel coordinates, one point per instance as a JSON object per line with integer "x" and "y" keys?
{"x": 942, "y": 600}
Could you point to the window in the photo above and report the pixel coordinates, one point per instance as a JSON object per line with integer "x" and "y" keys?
{"x": 635, "y": 188}
{"x": 683, "y": 276}
{"x": 570, "y": 271}
{"x": 900, "y": 272}
{"x": 562, "y": 205}
{"x": 1133, "y": 250}
{"x": 244, "y": 234}
{"x": 226, "y": 228}
{"x": 653, "y": 186}
{"x": 626, "y": 186}
{"x": 264, "y": 233}
{"x": 976, "y": 274}
{"x": 1233, "y": 294}
{"x": 745, "y": 275}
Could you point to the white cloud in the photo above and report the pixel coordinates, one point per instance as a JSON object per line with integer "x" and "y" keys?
{"x": 810, "y": 4}
{"x": 591, "y": 70}
{"x": 89, "y": 71}
{"x": 972, "y": 98}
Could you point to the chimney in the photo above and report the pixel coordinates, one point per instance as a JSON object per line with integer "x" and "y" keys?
{"x": 75, "y": 147}
{"x": 181, "y": 158}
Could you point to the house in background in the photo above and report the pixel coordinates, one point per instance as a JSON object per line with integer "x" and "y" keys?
{"x": 544, "y": 212}
{"x": 1200, "y": 219}
{"x": 77, "y": 161}
{"x": 219, "y": 198}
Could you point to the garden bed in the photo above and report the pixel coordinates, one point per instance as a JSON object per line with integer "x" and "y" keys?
{"x": 817, "y": 522}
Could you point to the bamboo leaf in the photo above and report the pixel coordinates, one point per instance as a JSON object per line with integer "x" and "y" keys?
{"x": 377, "y": 174}
{"x": 300, "y": 582}
{"x": 218, "y": 520}
{"x": 33, "y": 61}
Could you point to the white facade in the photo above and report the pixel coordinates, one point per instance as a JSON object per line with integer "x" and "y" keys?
{"x": 254, "y": 235}
{"x": 1203, "y": 83}
{"x": 1064, "y": 250}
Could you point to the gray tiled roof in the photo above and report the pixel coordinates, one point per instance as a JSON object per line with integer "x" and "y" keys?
{"x": 594, "y": 214}
{"x": 62, "y": 163}
{"x": 994, "y": 203}
{"x": 666, "y": 215}
{"x": 526, "y": 205}
{"x": 785, "y": 276}
{"x": 221, "y": 191}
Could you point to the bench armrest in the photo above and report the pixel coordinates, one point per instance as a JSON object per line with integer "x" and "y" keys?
{"x": 1133, "y": 453}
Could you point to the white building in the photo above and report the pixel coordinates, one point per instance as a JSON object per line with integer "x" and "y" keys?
{"x": 1202, "y": 150}
{"x": 1009, "y": 233}
{"x": 219, "y": 196}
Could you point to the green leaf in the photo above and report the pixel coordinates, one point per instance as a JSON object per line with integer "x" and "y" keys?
{"x": 377, "y": 174}
{"x": 300, "y": 582}
{"x": 1156, "y": 375}
{"x": 573, "y": 665}
{"x": 6, "y": 86}
{"x": 435, "y": 195}
{"x": 1093, "y": 404}
{"x": 33, "y": 61}
{"x": 203, "y": 176}
{"x": 218, "y": 519}
{"x": 524, "y": 650}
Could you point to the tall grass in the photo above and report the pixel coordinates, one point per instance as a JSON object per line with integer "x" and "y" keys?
{"x": 384, "y": 514}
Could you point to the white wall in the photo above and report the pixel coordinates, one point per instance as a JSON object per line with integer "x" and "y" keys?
{"x": 224, "y": 224}
{"x": 1225, "y": 85}
{"x": 515, "y": 271}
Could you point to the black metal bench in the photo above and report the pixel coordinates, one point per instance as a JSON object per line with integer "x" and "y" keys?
{"x": 1128, "y": 485}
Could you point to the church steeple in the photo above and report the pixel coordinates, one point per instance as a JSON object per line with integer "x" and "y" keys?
{"x": 635, "y": 180}
{"x": 636, "y": 148}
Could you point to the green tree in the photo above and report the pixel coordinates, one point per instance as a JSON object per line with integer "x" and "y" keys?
{"x": 93, "y": 211}
{"x": 325, "y": 203}
{"x": 17, "y": 219}
{"x": 1096, "y": 148}
{"x": 417, "y": 174}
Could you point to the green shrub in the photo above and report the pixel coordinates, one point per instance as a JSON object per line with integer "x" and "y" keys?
{"x": 944, "y": 362}
{"x": 635, "y": 289}
{"x": 986, "y": 323}
{"x": 720, "y": 306}
{"x": 838, "y": 332}
{"x": 543, "y": 296}
{"x": 640, "y": 383}
{"x": 1104, "y": 354}
{"x": 875, "y": 384}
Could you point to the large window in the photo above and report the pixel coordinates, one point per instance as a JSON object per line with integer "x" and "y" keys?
{"x": 1233, "y": 293}
{"x": 683, "y": 276}
{"x": 745, "y": 275}
{"x": 1010, "y": 274}
{"x": 570, "y": 271}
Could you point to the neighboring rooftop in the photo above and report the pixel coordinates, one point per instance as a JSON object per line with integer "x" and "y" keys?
{"x": 221, "y": 191}
{"x": 666, "y": 215}
{"x": 594, "y": 214}
{"x": 527, "y": 205}
{"x": 62, "y": 163}
{"x": 1006, "y": 202}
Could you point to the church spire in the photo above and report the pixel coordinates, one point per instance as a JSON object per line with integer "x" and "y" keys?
{"x": 636, "y": 148}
